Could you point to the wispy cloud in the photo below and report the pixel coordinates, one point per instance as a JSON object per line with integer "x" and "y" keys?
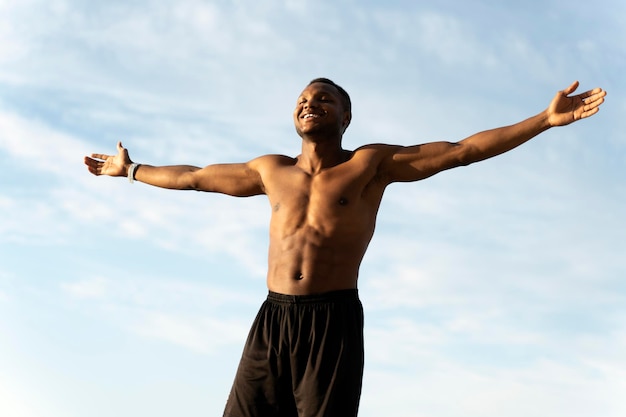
{"x": 490, "y": 290}
{"x": 151, "y": 309}
{"x": 195, "y": 333}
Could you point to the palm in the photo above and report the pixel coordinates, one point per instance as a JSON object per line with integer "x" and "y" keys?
{"x": 112, "y": 165}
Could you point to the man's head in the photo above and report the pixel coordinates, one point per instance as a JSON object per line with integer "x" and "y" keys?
{"x": 322, "y": 105}
{"x": 345, "y": 97}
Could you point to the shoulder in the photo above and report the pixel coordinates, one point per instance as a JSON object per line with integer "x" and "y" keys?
{"x": 371, "y": 158}
{"x": 377, "y": 149}
{"x": 273, "y": 159}
{"x": 375, "y": 152}
{"x": 271, "y": 162}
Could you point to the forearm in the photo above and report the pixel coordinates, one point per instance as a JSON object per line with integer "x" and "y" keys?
{"x": 494, "y": 142}
{"x": 232, "y": 179}
{"x": 176, "y": 177}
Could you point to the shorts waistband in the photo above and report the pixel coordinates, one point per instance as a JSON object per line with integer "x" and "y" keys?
{"x": 331, "y": 296}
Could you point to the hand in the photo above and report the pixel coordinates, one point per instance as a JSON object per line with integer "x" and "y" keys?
{"x": 112, "y": 165}
{"x": 565, "y": 109}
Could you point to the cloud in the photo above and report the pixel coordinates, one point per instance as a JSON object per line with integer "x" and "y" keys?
{"x": 177, "y": 312}
{"x": 35, "y": 142}
{"x": 198, "y": 334}
{"x": 105, "y": 203}
{"x": 30, "y": 220}
{"x": 495, "y": 287}
{"x": 544, "y": 388}
{"x": 91, "y": 288}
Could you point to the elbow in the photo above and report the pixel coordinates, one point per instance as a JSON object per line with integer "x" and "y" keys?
{"x": 466, "y": 155}
{"x": 464, "y": 161}
{"x": 188, "y": 181}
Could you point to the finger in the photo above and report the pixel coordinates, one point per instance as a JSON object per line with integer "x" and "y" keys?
{"x": 93, "y": 162}
{"x": 94, "y": 171}
{"x": 591, "y": 103}
{"x": 569, "y": 90}
{"x": 593, "y": 95}
{"x": 590, "y": 112}
{"x": 119, "y": 146}
{"x": 591, "y": 92}
{"x": 94, "y": 167}
{"x": 89, "y": 161}
{"x": 100, "y": 156}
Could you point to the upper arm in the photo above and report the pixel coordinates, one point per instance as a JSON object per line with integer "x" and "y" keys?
{"x": 236, "y": 179}
{"x": 413, "y": 163}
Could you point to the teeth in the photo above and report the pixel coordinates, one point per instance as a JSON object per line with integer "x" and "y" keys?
{"x": 309, "y": 115}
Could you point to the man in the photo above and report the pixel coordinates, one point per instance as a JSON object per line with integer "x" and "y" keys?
{"x": 304, "y": 353}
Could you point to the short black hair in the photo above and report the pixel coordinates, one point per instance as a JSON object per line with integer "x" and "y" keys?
{"x": 347, "y": 103}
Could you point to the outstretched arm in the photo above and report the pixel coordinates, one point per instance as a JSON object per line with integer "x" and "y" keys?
{"x": 240, "y": 180}
{"x": 421, "y": 161}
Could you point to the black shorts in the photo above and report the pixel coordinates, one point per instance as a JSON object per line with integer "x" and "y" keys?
{"x": 303, "y": 358}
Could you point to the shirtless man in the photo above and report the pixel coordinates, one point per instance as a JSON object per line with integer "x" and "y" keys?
{"x": 304, "y": 353}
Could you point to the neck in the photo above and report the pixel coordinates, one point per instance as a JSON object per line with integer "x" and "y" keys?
{"x": 317, "y": 156}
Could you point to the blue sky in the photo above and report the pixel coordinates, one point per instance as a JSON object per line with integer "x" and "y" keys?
{"x": 490, "y": 290}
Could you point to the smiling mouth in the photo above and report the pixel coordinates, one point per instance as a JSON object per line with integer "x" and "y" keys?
{"x": 311, "y": 116}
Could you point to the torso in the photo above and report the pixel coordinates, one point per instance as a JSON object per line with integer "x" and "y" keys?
{"x": 321, "y": 223}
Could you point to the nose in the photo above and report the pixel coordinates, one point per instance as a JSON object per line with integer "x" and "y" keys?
{"x": 311, "y": 104}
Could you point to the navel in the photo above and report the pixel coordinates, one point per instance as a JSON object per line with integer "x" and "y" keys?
{"x": 298, "y": 276}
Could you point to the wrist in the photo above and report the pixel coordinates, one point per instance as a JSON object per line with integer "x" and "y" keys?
{"x": 130, "y": 172}
{"x": 545, "y": 120}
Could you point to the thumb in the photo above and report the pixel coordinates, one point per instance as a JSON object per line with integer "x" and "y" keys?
{"x": 569, "y": 90}
{"x": 122, "y": 150}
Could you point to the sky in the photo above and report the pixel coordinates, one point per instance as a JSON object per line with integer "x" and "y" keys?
{"x": 493, "y": 290}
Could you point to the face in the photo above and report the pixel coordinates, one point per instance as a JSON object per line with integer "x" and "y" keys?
{"x": 320, "y": 109}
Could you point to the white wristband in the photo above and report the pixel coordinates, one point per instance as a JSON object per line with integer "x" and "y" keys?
{"x": 131, "y": 172}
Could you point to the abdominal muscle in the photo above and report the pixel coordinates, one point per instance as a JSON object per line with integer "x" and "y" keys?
{"x": 307, "y": 263}
{"x": 321, "y": 225}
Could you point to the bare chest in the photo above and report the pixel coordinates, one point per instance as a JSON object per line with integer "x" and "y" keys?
{"x": 339, "y": 202}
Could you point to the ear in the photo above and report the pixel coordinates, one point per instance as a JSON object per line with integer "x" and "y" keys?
{"x": 347, "y": 117}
